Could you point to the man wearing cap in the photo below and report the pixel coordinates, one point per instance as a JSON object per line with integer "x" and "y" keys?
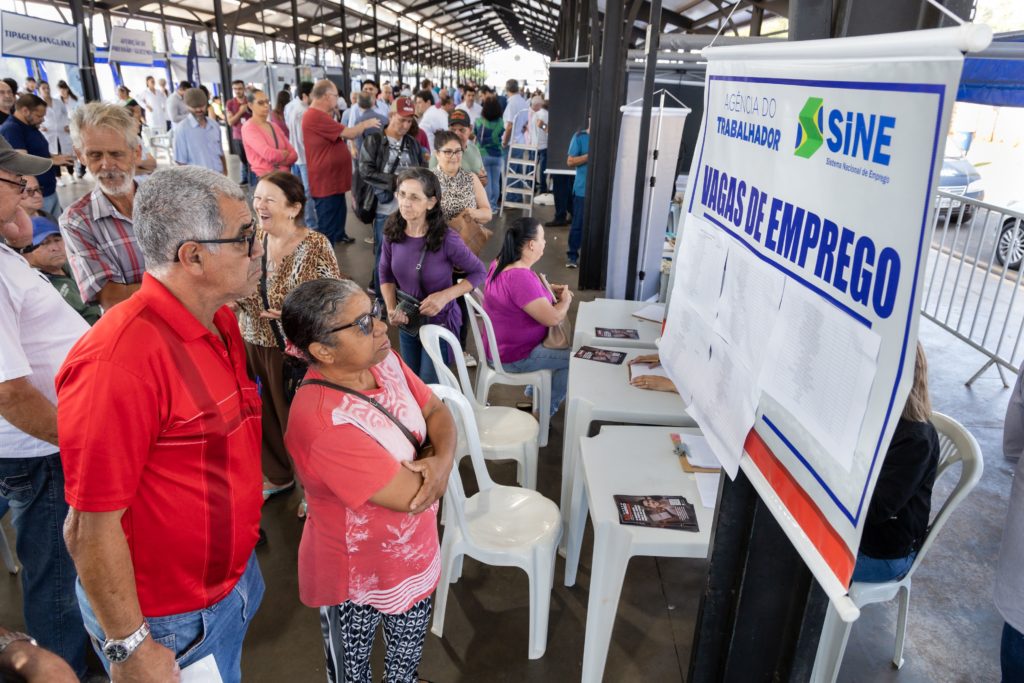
{"x": 383, "y": 156}
{"x": 104, "y": 255}
{"x": 176, "y": 108}
{"x": 196, "y": 138}
{"x": 160, "y": 433}
{"x": 37, "y": 330}
{"x": 47, "y": 255}
{"x": 22, "y": 132}
{"x": 458, "y": 123}
{"x": 328, "y": 160}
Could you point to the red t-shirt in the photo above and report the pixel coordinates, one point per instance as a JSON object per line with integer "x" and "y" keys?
{"x": 158, "y": 417}
{"x": 328, "y": 160}
{"x": 232, "y": 106}
{"x": 345, "y": 450}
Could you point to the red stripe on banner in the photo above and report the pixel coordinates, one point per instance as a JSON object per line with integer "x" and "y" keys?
{"x": 806, "y": 513}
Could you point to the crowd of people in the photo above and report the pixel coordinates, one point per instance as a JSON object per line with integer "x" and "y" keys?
{"x": 169, "y": 324}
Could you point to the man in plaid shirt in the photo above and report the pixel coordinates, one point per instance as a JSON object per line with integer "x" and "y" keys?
{"x": 104, "y": 255}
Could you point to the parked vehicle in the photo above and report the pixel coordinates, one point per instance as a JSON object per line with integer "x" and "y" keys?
{"x": 1010, "y": 248}
{"x": 959, "y": 176}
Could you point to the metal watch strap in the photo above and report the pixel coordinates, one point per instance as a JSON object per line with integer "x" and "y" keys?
{"x": 14, "y": 637}
{"x": 129, "y": 644}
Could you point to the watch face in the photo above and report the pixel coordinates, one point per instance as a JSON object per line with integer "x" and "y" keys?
{"x": 115, "y": 652}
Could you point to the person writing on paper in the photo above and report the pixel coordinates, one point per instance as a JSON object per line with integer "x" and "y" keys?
{"x": 369, "y": 551}
{"x": 897, "y": 519}
{"x": 522, "y": 308}
{"x": 652, "y": 382}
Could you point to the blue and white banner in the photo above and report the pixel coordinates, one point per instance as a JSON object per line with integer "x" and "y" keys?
{"x": 22, "y": 36}
{"x": 793, "y": 318}
{"x": 130, "y": 46}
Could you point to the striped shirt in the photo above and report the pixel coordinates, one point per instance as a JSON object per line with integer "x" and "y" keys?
{"x": 101, "y": 245}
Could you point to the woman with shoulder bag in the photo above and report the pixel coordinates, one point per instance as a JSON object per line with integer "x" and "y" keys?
{"x": 293, "y": 254}
{"x": 369, "y": 552}
{"x": 266, "y": 142}
{"x": 524, "y": 312}
{"x": 417, "y": 259}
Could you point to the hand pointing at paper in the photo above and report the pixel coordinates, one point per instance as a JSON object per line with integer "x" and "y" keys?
{"x": 651, "y": 382}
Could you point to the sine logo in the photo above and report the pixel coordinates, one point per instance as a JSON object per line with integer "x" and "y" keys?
{"x": 853, "y": 134}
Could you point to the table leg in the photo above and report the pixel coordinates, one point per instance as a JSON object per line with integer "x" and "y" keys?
{"x": 612, "y": 550}
{"x": 577, "y": 523}
{"x": 577, "y": 421}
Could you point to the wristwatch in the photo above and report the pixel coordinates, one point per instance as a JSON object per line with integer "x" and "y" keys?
{"x": 117, "y": 651}
{"x": 13, "y": 637}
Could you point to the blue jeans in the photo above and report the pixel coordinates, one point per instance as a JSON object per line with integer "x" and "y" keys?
{"x": 34, "y": 488}
{"x": 331, "y": 213}
{"x": 302, "y": 172}
{"x": 561, "y": 187}
{"x": 51, "y": 205}
{"x": 378, "y": 240}
{"x": 576, "y": 231}
{"x": 542, "y": 163}
{"x": 493, "y": 167}
{"x": 874, "y": 570}
{"x": 217, "y": 630}
{"x": 415, "y": 356}
{"x": 1011, "y": 654}
{"x": 547, "y": 359}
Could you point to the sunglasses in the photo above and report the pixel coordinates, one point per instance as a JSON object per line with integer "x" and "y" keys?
{"x": 365, "y": 321}
{"x": 248, "y": 236}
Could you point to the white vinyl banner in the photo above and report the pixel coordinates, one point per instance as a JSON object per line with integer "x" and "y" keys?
{"x": 22, "y": 36}
{"x": 793, "y": 319}
{"x": 130, "y": 46}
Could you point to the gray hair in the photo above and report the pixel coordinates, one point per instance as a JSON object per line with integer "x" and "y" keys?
{"x": 179, "y": 204}
{"x": 103, "y": 115}
{"x": 307, "y": 310}
{"x": 250, "y": 95}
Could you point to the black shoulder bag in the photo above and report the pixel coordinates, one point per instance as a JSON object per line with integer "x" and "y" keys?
{"x": 409, "y": 304}
{"x": 293, "y": 369}
{"x": 422, "y": 449}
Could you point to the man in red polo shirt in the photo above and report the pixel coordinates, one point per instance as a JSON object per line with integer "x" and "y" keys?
{"x": 328, "y": 160}
{"x": 159, "y": 430}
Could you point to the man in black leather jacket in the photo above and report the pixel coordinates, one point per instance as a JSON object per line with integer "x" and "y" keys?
{"x": 382, "y": 157}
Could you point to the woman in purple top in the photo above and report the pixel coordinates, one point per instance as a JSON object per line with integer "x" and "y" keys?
{"x": 522, "y": 309}
{"x": 417, "y": 234}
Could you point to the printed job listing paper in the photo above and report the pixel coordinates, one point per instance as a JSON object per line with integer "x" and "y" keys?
{"x": 823, "y": 365}
{"x": 749, "y": 305}
{"x": 702, "y": 260}
{"x": 685, "y": 348}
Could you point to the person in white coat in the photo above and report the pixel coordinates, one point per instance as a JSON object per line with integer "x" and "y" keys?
{"x": 56, "y": 128}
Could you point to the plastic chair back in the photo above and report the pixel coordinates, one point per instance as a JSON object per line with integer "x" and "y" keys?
{"x": 431, "y": 337}
{"x": 476, "y": 315}
{"x": 465, "y": 422}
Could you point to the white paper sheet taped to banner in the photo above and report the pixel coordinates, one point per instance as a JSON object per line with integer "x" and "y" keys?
{"x": 817, "y": 163}
{"x": 22, "y": 36}
{"x": 130, "y": 46}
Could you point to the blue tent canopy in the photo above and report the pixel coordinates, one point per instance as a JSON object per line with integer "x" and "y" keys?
{"x": 997, "y": 82}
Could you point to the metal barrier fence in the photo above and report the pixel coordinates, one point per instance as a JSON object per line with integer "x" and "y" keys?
{"x": 973, "y": 279}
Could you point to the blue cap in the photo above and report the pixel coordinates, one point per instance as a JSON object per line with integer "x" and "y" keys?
{"x": 41, "y": 229}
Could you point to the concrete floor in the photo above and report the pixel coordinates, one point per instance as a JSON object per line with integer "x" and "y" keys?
{"x": 953, "y": 632}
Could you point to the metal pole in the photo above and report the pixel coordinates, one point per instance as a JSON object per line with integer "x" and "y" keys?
{"x": 222, "y": 52}
{"x": 419, "y": 57}
{"x": 346, "y": 55}
{"x": 295, "y": 38}
{"x": 376, "y": 47}
{"x": 398, "y": 27}
{"x": 634, "y": 276}
{"x": 90, "y": 86}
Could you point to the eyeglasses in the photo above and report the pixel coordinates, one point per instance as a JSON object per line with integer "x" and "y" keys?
{"x": 20, "y": 183}
{"x": 451, "y": 152}
{"x": 248, "y": 235}
{"x": 33, "y": 190}
{"x": 365, "y": 321}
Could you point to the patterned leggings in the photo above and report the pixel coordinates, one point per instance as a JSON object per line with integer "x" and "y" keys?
{"x": 349, "y": 630}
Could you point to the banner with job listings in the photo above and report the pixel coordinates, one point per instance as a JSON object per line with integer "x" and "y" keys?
{"x": 22, "y": 36}
{"x": 793, "y": 319}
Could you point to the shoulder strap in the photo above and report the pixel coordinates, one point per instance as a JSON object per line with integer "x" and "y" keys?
{"x": 419, "y": 268}
{"x": 345, "y": 390}
{"x": 278, "y": 335}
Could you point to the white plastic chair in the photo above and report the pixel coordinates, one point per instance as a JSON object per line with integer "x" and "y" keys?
{"x": 505, "y": 433}
{"x": 506, "y": 526}
{"x": 162, "y": 144}
{"x": 486, "y": 376}
{"x": 956, "y": 445}
{"x": 5, "y": 548}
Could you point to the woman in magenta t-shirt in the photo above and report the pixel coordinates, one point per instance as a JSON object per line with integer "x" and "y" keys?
{"x": 522, "y": 309}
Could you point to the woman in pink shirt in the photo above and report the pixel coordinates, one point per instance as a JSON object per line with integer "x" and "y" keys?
{"x": 266, "y": 142}
{"x": 369, "y": 551}
{"x": 522, "y": 309}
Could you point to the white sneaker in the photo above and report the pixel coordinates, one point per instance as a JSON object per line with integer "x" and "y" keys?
{"x": 470, "y": 361}
{"x": 368, "y": 240}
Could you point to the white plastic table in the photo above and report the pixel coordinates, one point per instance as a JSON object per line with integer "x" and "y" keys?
{"x": 601, "y": 391}
{"x": 628, "y": 461}
{"x": 615, "y": 314}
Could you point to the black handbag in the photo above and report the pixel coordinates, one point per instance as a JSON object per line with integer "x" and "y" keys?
{"x": 293, "y": 369}
{"x": 409, "y": 304}
{"x": 364, "y": 200}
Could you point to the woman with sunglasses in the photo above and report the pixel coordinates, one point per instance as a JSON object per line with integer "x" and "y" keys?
{"x": 418, "y": 256}
{"x": 293, "y": 254}
{"x": 369, "y": 552}
{"x": 265, "y": 141}
{"x": 32, "y": 200}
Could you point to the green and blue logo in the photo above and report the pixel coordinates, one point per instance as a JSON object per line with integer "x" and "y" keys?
{"x": 808, "y": 132}
{"x": 853, "y": 134}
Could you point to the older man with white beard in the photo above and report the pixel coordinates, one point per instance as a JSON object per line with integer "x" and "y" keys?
{"x": 102, "y": 249}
